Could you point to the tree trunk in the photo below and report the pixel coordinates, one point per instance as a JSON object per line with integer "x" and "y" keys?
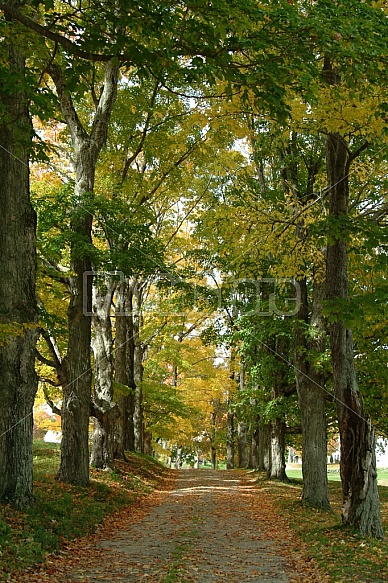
{"x": 18, "y": 311}
{"x": 253, "y": 460}
{"x": 310, "y": 337}
{"x": 213, "y": 439}
{"x": 138, "y": 418}
{"x": 77, "y": 375}
{"x": 264, "y": 447}
{"x": 124, "y": 439}
{"x": 148, "y": 443}
{"x": 214, "y": 458}
{"x": 277, "y": 459}
{"x": 103, "y": 431}
{"x": 361, "y": 506}
{"x": 242, "y": 450}
{"x": 259, "y": 451}
{"x": 230, "y": 441}
{"x": 277, "y": 469}
{"x": 178, "y": 459}
{"x": 242, "y": 445}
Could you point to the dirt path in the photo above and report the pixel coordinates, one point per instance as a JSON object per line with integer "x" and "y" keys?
{"x": 212, "y": 527}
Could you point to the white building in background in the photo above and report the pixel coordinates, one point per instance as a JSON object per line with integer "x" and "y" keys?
{"x": 53, "y": 436}
{"x": 294, "y": 457}
{"x": 382, "y": 453}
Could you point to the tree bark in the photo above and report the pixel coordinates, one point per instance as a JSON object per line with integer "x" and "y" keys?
{"x": 264, "y": 445}
{"x": 259, "y": 450}
{"x": 280, "y": 388}
{"x": 148, "y": 443}
{"x": 213, "y": 417}
{"x": 230, "y": 440}
{"x": 124, "y": 438}
{"x": 242, "y": 450}
{"x": 242, "y": 444}
{"x": 277, "y": 468}
{"x": 18, "y": 310}
{"x": 214, "y": 458}
{"x": 74, "y": 467}
{"x": 138, "y": 417}
{"x": 178, "y": 459}
{"x": 361, "y": 505}
{"x": 253, "y": 458}
{"x": 310, "y": 338}
{"x": 76, "y": 378}
{"x": 102, "y": 343}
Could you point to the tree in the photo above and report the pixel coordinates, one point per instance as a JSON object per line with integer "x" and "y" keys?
{"x": 301, "y": 161}
{"x": 310, "y": 344}
{"x": 297, "y": 159}
{"x": 18, "y": 310}
{"x": 345, "y": 141}
{"x": 76, "y": 371}
{"x": 358, "y": 461}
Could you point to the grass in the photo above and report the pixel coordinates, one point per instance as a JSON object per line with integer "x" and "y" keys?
{"x": 339, "y": 551}
{"x": 333, "y": 474}
{"x": 62, "y": 512}
{"x": 176, "y": 571}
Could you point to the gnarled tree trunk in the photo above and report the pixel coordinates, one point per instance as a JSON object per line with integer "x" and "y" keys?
{"x": 361, "y": 505}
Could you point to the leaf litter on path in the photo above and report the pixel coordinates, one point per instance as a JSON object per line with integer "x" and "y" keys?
{"x": 209, "y": 526}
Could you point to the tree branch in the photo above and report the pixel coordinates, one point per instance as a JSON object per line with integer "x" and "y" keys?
{"x": 165, "y": 175}
{"x": 49, "y": 381}
{"x": 51, "y": 403}
{"x": 59, "y": 268}
{"x": 44, "y": 360}
{"x": 105, "y": 105}
{"x": 65, "y": 42}
{"x": 144, "y": 133}
{"x": 295, "y": 430}
{"x": 354, "y": 155}
{"x": 73, "y": 122}
{"x": 54, "y": 351}
{"x": 186, "y": 216}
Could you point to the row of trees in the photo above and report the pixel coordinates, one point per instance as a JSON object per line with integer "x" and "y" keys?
{"x": 209, "y": 187}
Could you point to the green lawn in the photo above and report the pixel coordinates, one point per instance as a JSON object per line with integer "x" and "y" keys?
{"x": 334, "y": 476}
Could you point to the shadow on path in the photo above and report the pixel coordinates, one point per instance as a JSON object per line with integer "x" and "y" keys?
{"x": 202, "y": 531}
